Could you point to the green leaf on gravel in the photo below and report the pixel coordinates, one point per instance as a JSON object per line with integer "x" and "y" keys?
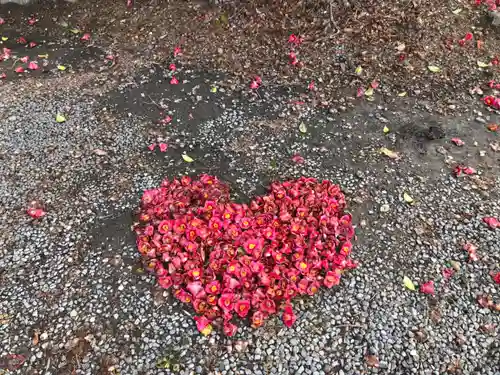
{"x": 61, "y": 67}
{"x": 392, "y": 154}
{"x": 44, "y": 56}
{"x": 213, "y": 89}
{"x": 434, "y": 68}
{"x": 4, "y": 38}
{"x": 386, "y": 130}
{"x": 369, "y": 91}
{"x": 408, "y": 199}
{"x": 359, "y": 70}
{"x": 187, "y": 158}
{"x": 303, "y": 128}
{"x": 482, "y": 64}
{"x": 402, "y": 94}
{"x": 60, "y": 118}
{"x": 408, "y": 283}
{"x": 74, "y": 31}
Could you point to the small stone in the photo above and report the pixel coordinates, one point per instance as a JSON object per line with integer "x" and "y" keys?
{"x": 385, "y": 208}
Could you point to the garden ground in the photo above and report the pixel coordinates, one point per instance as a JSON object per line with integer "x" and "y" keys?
{"x": 74, "y": 296}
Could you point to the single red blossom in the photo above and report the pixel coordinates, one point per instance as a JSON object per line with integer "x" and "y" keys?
{"x": 495, "y": 60}
{"x": 361, "y": 92}
{"x": 402, "y": 57}
{"x": 174, "y": 81}
{"x": 332, "y": 278}
{"x": 32, "y": 44}
{"x": 32, "y": 20}
{"x": 152, "y": 146}
{"x": 3, "y": 76}
{"x": 469, "y": 170}
{"x": 258, "y": 80}
{"x": 165, "y": 282}
{"x": 496, "y": 277}
{"x": 24, "y": 59}
{"x": 2, "y": 21}
{"x": 427, "y": 288}
{"x": 492, "y": 222}
{"x": 19, "y": 69}
{"x": 163, "y": 147}
{"x": 288, "y": 317}
{"x": 6, "y": 53}
{"x": 177, "y": 51}
{"x": 257, "y": 319}
{"x": 491, "y": 83}
{"x": 254, "y": 85}
{"x": 225, "y": 302}
{"x": 22, "y": 40}
{"x": 469, "y": 36}
{"x": 85, "y": 37}
{"x": 172, "y": 67}
{"x": 458, "y": 141}
{"x": 311, "y": 86}
{"x": 461, "y": 42}
{"x": 242, "y": 307}
{"x": 166, "y": 120}
{"x": 489, "y": 100}
{"x": 374, "y": 85}
{"x": 110, "y": 57}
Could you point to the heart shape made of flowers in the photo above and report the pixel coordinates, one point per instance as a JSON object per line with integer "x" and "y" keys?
{"x": 248, "y": 260}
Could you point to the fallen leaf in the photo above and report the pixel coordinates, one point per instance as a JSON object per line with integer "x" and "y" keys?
{"x": 74, "y": 31}
{"x": 386, "y": 130}
{"x": 36, "y": 339}
{"x": 372, "y": 360}
{"x": 369, "y": 92}
{"x": 100, "y": 152}
{"x": 61, "y": 67}
{"x": 302, "y": 128}
{"x": 60, "y": 118}
{"x": 44, "y": 56}
{"x": 207, "y": 330}
{"x": 457, "y": 11}
{"x": 359, "y": 70}
{"x": 455, "y": 265}
{"x": 187, "y": 158}
{"x": 434, "y": 69}
{"x": 5, "y": 318}
{"x": 4, "y": 38}
{"x": 401, "y": 94}
{"x": 392, "y": 154}
{"x": 482, "y": 64}
{"x": 213, "y": 89}
{"x": 408, "y": 199}
{"x": 408, "y": 283}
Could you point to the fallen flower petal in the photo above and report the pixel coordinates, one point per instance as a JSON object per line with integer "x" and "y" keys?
{"x": 172, "y": 67}
{"x": 163, "y": 147}
{"x": 492, "y": 222}
{"x": 298, "y": 159}
{"x": 360, "y": 92}
{"x": 32, "y": 20}
{"x": 458, "y": 141}
{"x": 19, "y": 69}
{"x": 35, "y": 213}
{"x": 448, "y": 273}
{"x": 289, "y": 316}
{"x": 177, "y": 51}
{"x": 311, "y": 86}
{"x": 166, "y": 120}
{"x": 408, "y": 283}
{"x": 468, "y": 36}
{"x": 152, "y": 146}
{"x": 174, "y": 81}
{"x": 254, "y": 85}
{"x": 22, "y": 40}
{"x": 496, "y": 277}
{"x": 24, "y": 59}
{"x": 3, "y": 76}
{"x": 33, "y": 65}
{"x": 427, "y": 288}
{"x": 85, "y": 37}
{"x": 2, "y": 21}
{"x": 32, "y": 44}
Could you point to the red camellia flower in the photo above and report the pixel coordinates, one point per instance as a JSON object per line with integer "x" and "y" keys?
{"x": 231, "y": 260}
{"x": 496, "y": 277}
{"x": 35, "y": 213}
{"x": 492, "y": 222}
{"x": 174, "y": 81}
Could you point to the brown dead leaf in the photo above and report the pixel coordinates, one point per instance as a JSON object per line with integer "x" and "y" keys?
{"x": 36, "y": 338}
{"x": 435, "y": 315}
{"x": 372, "y": 360}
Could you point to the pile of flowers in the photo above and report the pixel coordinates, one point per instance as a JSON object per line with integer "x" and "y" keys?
{"x": 233, "y": 260}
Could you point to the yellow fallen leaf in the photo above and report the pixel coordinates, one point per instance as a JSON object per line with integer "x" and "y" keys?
{"x": 408, "y": 199}
{"x": 61, "y": 67}
{"x": 4, "y": 38}
{"x": 386, "y": 130}
{"x": 207, "y": 330}
{"x": 359, "y": 70}
{"x": 75, "y": 31}
{"x": 482, "y": 64}
{"x": 402, "y": 93}
{"x": 392, "y": 154}
{"x": 303, "y": 128}
{"x": 408, "y": 283}
{"x": 434, "y": 68}
{"x": 457, "y": 11}
{"x": 187, "y": 158}
{"x": 369, "y": 91}
{"x": 45, "y": 56}
{"x": 213, "y": 89}
{"x": 60, "y": 118}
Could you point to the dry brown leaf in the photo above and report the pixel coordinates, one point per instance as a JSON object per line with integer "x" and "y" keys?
{"x": 36, "y": 338}
{"x": 372, "y": 360}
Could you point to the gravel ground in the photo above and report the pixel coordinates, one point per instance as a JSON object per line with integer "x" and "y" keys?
{"x": 74, "y": 299}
